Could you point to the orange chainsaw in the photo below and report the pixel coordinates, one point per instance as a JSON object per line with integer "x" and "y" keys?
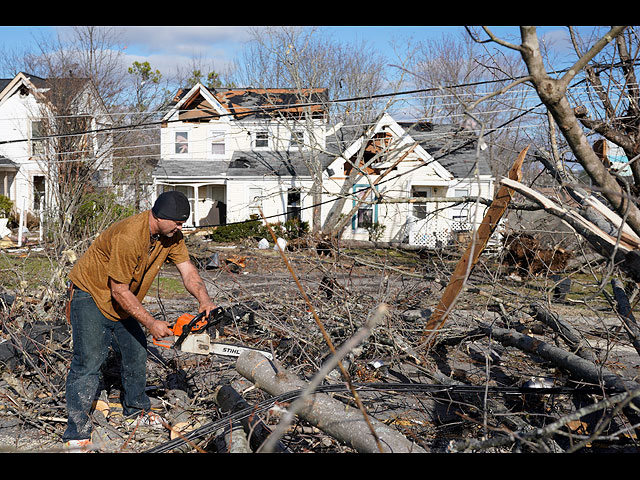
{"x": 190, "y": 334}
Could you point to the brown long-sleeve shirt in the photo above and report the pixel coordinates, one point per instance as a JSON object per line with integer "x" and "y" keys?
{"x": 124, "y": 253}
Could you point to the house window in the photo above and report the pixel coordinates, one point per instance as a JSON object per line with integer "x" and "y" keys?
{"x": 261, "y": 140}
{"x": 460, "y": 214}
{"x": 293, "y": 204}
{"x": 182, "y": 142}
{"x": 364, "y": 217}
{"x": 37, "y": 145}
{"x": 217, "y": 143}
{"x": 38, "y": 192}
{"x": 367, "y": 212}
{"x": 420, "y": 209}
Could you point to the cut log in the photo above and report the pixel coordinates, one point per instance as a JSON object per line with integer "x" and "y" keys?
{"x": 229, "y": 400}
{"x": 180, "y": 417}
{"x": 343, "y": 422}
{"x": 624, "y": 309}
{"x": 236, "y": 439}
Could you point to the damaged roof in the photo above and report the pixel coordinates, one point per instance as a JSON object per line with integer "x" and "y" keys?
{"x": 245, "y": 103}
{"x": 454, "y": 147}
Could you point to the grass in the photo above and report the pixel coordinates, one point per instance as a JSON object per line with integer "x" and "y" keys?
{"x": 30, "y": 272}
{"x": 167, "y": 288}
{"x": 25, "y": 271}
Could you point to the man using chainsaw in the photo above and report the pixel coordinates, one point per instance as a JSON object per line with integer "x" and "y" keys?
{"x": 108, "y": 284}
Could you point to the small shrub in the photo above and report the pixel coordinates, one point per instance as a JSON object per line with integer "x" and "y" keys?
{"x": 236, "y": 231}
{"x": 376, "y": 230}
{"x": 253, "y": 229}
{"x": 6, "y": 206}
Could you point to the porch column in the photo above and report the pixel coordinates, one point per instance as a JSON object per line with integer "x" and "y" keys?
{"x": 196, "y": 216}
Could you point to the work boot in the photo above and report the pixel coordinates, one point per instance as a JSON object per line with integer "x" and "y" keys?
{"x": 78, "y": 446}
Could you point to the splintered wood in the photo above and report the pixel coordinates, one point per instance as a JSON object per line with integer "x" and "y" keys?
{"x": 474, "y": 250}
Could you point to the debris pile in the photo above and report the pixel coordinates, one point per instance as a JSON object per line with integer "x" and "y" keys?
{"x": 511, "y": 370}
{"x": 527, "y": 256}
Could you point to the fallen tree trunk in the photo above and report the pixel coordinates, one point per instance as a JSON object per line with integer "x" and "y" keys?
{"x": 229, "y": 400}
{"x": 624, "y": 309}
{"x": 566, "y": 331}
{"x": 578, "y": 367}
{"x": 341, "y": 421}
{"x": 621, "y": 248}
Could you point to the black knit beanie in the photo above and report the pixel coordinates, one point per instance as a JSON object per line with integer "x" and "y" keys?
{"x": 172, "y": 205}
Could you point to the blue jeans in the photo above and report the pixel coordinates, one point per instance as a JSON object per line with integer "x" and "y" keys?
{"x": 92, "y": 335}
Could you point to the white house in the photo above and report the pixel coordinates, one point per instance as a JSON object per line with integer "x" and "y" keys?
{"x": 28, "y": 166}
{"x": 235, "y": 152}
{"x": 399, "y": 161}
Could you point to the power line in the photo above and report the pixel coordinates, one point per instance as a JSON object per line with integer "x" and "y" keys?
{"x": 261, "y": 110}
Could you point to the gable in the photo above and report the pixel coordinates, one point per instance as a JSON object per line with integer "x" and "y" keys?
{"x": 68, "y": 94}
{"x": 194, "y": 105}
{"x": 197, "y": 108}
{"x": 10, "y": 86}
{"x": 386, "y": 133}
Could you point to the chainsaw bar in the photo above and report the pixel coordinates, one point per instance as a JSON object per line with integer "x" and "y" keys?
{"x": 201, "y": 343}
{"x": 235, "y": 350}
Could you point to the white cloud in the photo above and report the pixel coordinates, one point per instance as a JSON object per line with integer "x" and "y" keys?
{"x": 185, "y": 41}
{"x": 167, "y": 47}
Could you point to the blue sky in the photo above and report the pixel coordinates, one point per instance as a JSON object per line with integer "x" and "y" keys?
{"x": 166, "y": 46}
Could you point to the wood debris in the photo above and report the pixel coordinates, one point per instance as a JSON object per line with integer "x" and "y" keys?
{"x": 470, "y": 387}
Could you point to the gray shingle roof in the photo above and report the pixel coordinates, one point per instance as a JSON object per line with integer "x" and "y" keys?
{"x": 453, "y": 147}
{"x": 242, "y": 164}
{"x": 5, "y": 162}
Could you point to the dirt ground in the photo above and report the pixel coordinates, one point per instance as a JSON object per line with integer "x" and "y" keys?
{"x": 343, "y": 289}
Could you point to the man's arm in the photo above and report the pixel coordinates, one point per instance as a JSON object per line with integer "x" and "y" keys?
{"x": 195, "y": 286}
{"x": 130, "y": 303}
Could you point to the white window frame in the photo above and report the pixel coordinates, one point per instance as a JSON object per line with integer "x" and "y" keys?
{"x": 420, "y": 210}
{"x": 37, "y": 146}
{"x": 257, "y": 138}
{"x": 176, "y": 143}
{"x": 217, "y": 137}
{"x": 361, "y": 192}
{"x": 461, "y": 213}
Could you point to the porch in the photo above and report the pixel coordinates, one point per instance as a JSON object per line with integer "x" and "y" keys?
{"x": 208, "y": 202}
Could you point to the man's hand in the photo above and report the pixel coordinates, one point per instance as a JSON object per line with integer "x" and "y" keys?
{"x": 207, "y": 307}
{"x": 159, "y": 329}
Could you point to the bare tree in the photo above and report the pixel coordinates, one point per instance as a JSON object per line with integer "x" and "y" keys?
{"x": 301, "y": 58}
{"x": 205, "y": 71}
{"x": 81, "y": 75}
